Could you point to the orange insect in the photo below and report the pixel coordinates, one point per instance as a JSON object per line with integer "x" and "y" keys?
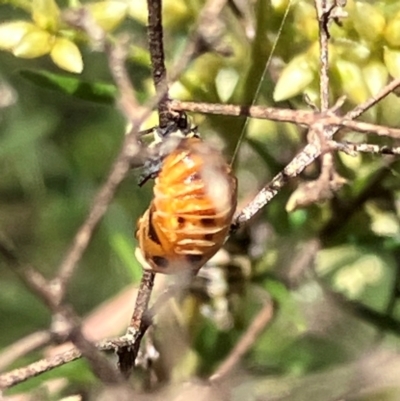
{"x": 194, "y": 201}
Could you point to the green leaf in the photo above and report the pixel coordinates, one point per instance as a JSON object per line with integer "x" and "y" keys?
{"x": 369, "y": 21}
{"x": 353, "y": 84}
{"x": 34, "y": 44}
{"x": 11, "y": 33}
{"x": 98, "y": 92}
{"x": 66, "y": 55}
{"x": 108, "y": 14}
{"x": 46, "y": 14}
{"x": 295, "y": 78}
{"x": 392, "y": 31}
{"x": 391, "y": 58}
{"x": 375, "y": 76}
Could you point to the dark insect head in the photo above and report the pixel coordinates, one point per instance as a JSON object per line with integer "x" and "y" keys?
{"x": 166, "y": 140}
{"x": 179, "y": 126}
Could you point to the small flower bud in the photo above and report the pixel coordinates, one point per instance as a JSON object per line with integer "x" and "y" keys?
{"x": 295, "y": 77}
{"x": 391, "y": 58}
{"x": 11, "y": 33}
{"x": 34, "y": 44}
{"x": 369, "y": 21}
{"x": 46, "y": 14}
{"x": 66, "y": 55}
{"x": 108, "y": 14}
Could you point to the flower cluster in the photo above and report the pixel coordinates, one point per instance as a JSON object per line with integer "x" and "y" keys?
{"x": 47, "y": 34}
{"x": 364, "y": 50}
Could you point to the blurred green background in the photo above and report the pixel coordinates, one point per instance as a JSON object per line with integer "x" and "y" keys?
{"x": 56, "y": 150}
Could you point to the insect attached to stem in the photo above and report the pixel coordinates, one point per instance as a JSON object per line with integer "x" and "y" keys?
{"x": 195, "y": 197}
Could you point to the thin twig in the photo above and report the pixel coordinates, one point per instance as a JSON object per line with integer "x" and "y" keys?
{"x": 117, "y": 344}
{"x": 32, "y": 278}
{"x": 71, "y": 323}
{"x": 362, "y": 108}
{"x": 327, "y": 166}
{"x": 302, "y": 160}
{"x": 285, "y": 115}
{"x": 130, "y": 150}
{"x": 199, "y": 40}
{"x": 138, "y": 324}
{"x": 367, "y": 128}
{"x": 20, "y": 375}
{"x": 323, "y": 15}
{"x": 156, "y": 47}
{"x": 116, "y": 56}
{"x": 293, "y": 169}
{"x": 142, "y": 300}
{"x": 71, "y": 326}
{"x": 23, "y": 347}
{"x": 324, "y": 186}
{"x": 34, "y": 369}
{"x": 141, "y": 319}
{"x": 303, "y": 117}
{"x": 99, "y": 207}
{"x": 99, "y": 365}
{"x": 247, "y": 340}
{"x": 353, "y": 148}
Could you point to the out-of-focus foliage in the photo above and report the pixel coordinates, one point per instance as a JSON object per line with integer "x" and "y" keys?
{"x": 48, "y": 33}
{"x": 60, "y": 134}
{"x": 363, "y": 51}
